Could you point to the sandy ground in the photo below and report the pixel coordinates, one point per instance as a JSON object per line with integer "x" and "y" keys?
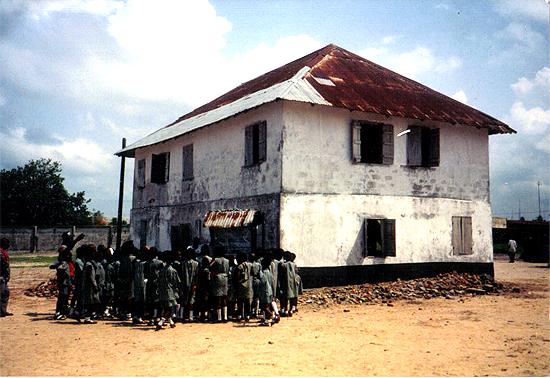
{"x": 507, "y": 335}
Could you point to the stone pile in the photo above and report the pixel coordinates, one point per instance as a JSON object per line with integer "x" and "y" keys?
{"x": 43, "y": 289}
{"x": 446, "y": 285}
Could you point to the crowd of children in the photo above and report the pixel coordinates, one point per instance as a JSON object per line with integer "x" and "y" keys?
{"x": 162, "y": 288}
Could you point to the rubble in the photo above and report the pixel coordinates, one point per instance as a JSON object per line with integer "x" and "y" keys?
{"x": 43, "y": 289}
{"x": 447, "y": 285}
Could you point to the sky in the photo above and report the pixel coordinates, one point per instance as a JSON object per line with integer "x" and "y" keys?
{"x": 77, "y": 76}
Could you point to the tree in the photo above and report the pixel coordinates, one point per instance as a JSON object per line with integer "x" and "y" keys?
{"x": 35, "y": 195}
{"x": 99, "y": 219}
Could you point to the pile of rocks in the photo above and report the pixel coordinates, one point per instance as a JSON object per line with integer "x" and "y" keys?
{"x": 43, "y": 289}
{"x": 446, "y": 285}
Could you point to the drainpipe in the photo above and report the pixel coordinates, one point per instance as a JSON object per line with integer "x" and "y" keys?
{"x": 120, "y": 198}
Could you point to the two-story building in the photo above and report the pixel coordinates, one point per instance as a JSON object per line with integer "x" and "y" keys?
{"x": 363, "y": 173}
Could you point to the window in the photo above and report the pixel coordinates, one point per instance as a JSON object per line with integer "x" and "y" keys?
{"x": 180, "y": 237}
{"x": 140, "y": 177}
{"x": 462, "y": 235}
{"x": 422, "y": 147}
{"x": 187, "y": 162}
{"x": 160, "y": 168}
{"x": 255, "y": 144}
{"x": 372, "y": 143}
{"x": 379, "y": 237}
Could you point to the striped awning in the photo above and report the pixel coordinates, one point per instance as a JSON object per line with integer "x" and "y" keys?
{"x": 229, "y": 218}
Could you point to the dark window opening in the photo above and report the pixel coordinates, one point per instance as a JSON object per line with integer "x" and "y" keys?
{"x": 181, "y": 236}
{"x": 372, "y": 143}
{"x": 160, "y": 168}
{"x": 255, "y": 144}
{"x": 422, "y": 147}
{"x": 379, "y": 237}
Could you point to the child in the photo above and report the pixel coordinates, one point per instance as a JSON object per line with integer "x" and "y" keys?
{"x": 152, "y": 270}
{"x": 243, "y": 287}
{"x": 299, "y": 287}
{"x": 138, "y": 302}
{"x": 63, "y": 286}
{"x": 266, "y": 291}
{"x": 90, "y": 288}
{"x": 110, "y": 278}
{"x": 255, "y": 269}
{"x": 125, "y": 279}
{"x": 99, "y": 277}
{"x": 219, "y": 271}
{"x": 168, "y": 290}
{"x": 189, "y": 273}
{"x": 289, "y": 291}
{"x": 202, "y": 303}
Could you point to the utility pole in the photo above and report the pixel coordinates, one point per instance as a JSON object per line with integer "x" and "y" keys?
{"x": 538, "y": 189}
{"x": 120, "y": 198}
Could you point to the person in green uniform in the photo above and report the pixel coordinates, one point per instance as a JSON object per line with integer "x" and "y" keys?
{"x": 110, "y": 279}
{"x": 63, "y": 276}
{"x": 100, "y": 277}
{"x": 76, "y": 300}
{"x": 202, "y": 299}
{"x": 189, "y": 276}
{"x": 152, "y": 269}
{"x": 138, "y": 303}
{"x": 219, "y": 271}
{"x": 266, "y": 291}
{"x": 168, "y": 290}
{"x": 90, "y": 288}
{"x": 298, "y": 285}
{"x": 255, "y": 269}
{"x": 243, "y": 280}
{"x": 125, "y": 279}
{"x": 289, "y": 292}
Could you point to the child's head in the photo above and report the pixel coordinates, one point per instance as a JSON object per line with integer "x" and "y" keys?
{"x": 241, "y": 257}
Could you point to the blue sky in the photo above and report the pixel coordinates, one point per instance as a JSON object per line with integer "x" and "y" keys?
{"x": 77, "y": 76}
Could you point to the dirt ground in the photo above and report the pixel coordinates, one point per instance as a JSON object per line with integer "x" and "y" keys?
{"x": 505, "y": 335}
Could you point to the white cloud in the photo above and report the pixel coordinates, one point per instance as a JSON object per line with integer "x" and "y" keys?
{"x": 412, "y": 63}
{"x": 522, "y": 43}
{"x": 460, "y": 96}
{"x": 3, "y": 99}
{"x": 43, "y": 8}
{"x": 78, "y": 155}
{"x": 533, "y": 121}
{"x": 544, "y": 144}
{"x": 541, "y": 80}
{"x": 533, "y": 9}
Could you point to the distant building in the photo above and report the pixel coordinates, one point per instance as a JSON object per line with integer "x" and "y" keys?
{"x": 361, "y": 172}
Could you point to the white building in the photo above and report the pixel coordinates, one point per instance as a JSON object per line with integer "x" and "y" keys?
{"x": 361, "y": 172}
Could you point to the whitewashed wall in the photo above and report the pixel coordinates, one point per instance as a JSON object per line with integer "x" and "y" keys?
{"x": 326, "y": 196}
{"x": 218, "y": 168}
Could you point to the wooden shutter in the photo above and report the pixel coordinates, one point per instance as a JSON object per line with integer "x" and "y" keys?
{"x": 356, "y": 141}
{"x": 387, "y": 144}
{"x": 187, "y": 162}
{"x": 388, "y": 226}
{"x": 414, "y": 146}
{"x": 166, "y": 166}
{"x": 456, "y": 231}
{"x": 248, "y": 141}
{"x": 466, "y": 235}
{"x": 433, "y": 151}
{"x": 262, "y": 141}
{"x": 365, "y": 238}
{"x": 140, "y": 179}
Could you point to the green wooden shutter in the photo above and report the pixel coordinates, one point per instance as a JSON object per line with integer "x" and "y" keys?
{"x": 166, "y": 166}
{"x": 387, "y": 144}
{"x": 433, "y": 157}
{"x": 389, "y": 237}
{"x": 414, "y": 146}
{"x": 365, "y": 238}
{"x": 356, "y": 141}
{"x": 262, "y": 141}
{"x": 466, "y": 235}
{"x": 248, "y": 136}
{"x": 456, "y": 231}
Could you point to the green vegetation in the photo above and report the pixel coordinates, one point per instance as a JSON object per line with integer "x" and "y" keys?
{"x": 34, "y": 259}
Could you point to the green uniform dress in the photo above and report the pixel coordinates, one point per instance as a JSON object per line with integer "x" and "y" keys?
{"x": 63, "y": 276}
{"x": 219, "y": 272}
{"x": 189, "y": 270}
{"x": 243, "y": 280}
{"x": 265, "y": 288}
{"x": 289, "y": 289}
{"x": 109, "y": 287}
{"x": 168, "y": 287}
{"x": 139, "y": 281}
{"x": 125, "y": 278}
{"x": 255, "y": 270}
{"x": 90, "y": 289}
{"x": 152, "y": 271}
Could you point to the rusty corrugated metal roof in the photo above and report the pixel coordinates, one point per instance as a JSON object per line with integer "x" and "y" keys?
{"x": 229, "y": 218}
{"x": 336, "y": 77}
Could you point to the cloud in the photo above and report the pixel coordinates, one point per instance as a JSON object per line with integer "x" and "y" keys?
{"x": 3, "y": 99}
{"x": 413, "y": 63}
{"x": 523, "y": 43}
{"x": 541, "y": 80}
{"x": 531, "y": 9}
{"x": 460, "y": 96}
{"x": 533, "y": 121}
